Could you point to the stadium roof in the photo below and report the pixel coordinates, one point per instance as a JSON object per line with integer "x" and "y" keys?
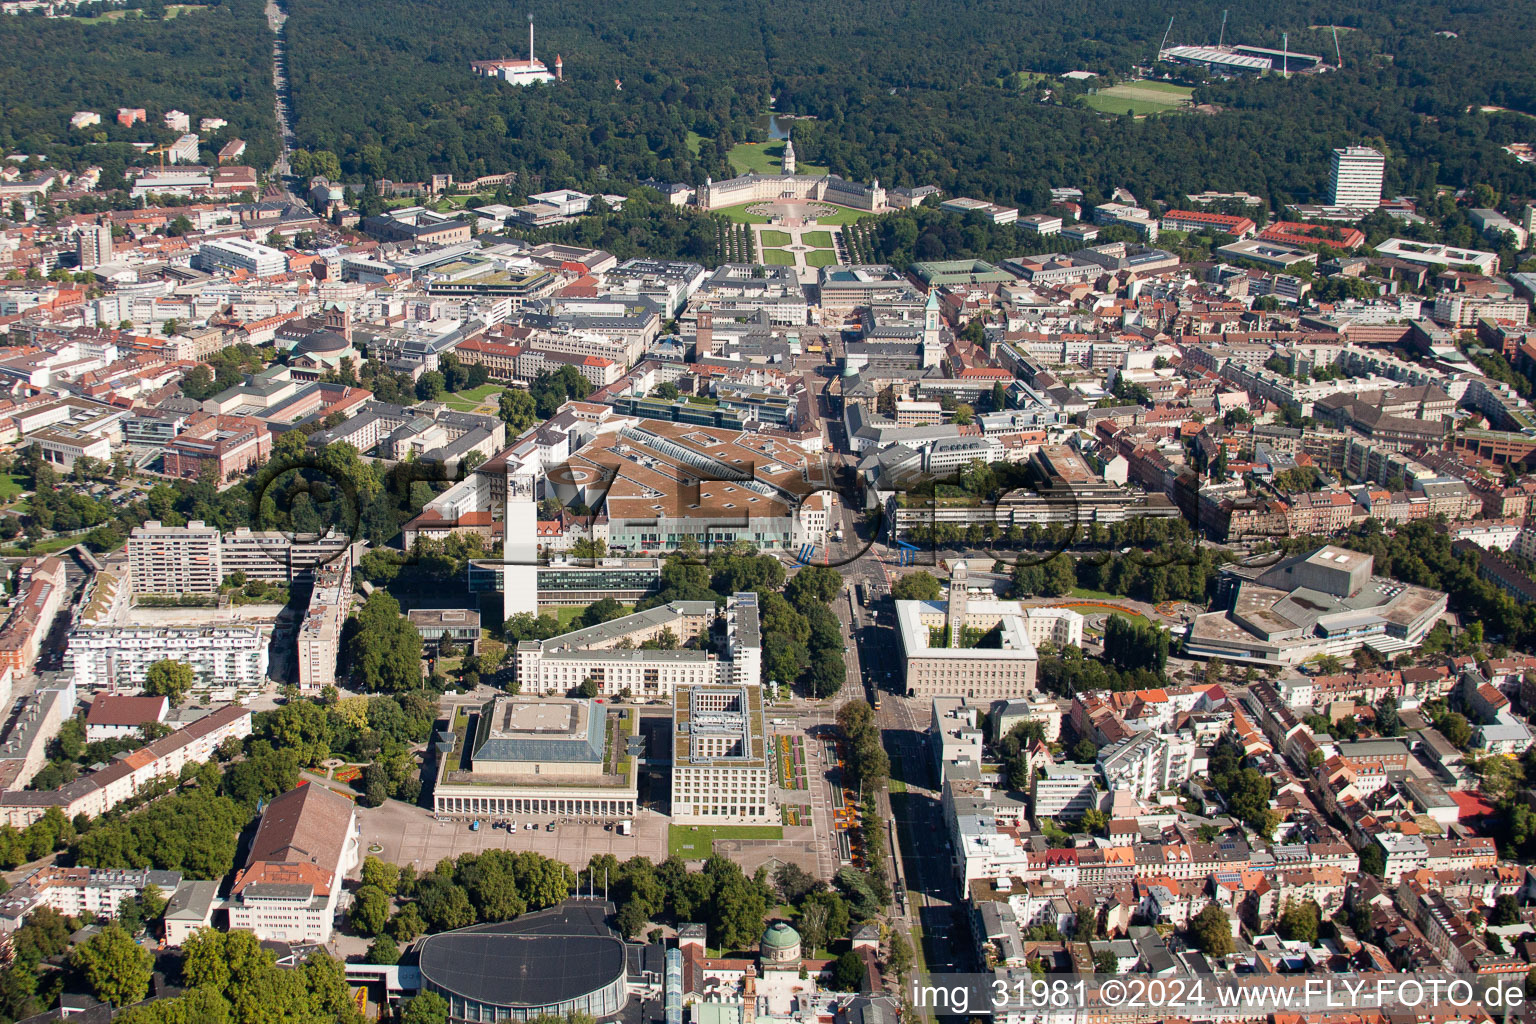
{"x": 1212, "y": 55}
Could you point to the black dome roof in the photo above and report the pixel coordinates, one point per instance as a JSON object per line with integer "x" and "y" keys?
{"x": 323, "y": 341}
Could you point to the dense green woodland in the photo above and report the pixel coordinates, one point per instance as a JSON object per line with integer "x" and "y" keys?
{"x": 906, "y": 92}
{"x": 902, "y": 92}
{"x": 215, "y": 62}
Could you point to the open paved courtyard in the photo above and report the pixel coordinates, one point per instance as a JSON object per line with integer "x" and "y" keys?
{"x": 406, "y": 834}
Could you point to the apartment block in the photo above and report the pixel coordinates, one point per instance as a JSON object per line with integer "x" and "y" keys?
{"x": 77, "y": 891}
{"x": 117, "y": 658}
{"x": 319, "y": 639}
{"x": 97, "y": 793}
{"x": 174, "y": 559}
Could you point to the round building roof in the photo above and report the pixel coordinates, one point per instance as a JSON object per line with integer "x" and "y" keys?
{"x": 495, "y": 965}
{"x": 323, "y": 341}
{"x": 780, "y": 936}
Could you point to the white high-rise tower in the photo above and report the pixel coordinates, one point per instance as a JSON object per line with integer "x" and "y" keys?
{"x": 1357, "y": 176}
{"x": 520, "y": 547}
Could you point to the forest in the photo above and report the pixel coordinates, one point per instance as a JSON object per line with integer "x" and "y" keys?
{"x": 214, "y": 60}
{"x": 910, "y": 98}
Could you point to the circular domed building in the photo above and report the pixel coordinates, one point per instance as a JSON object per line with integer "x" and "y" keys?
{"x": 780, "y": 945}
{"x": 323, "y": 350}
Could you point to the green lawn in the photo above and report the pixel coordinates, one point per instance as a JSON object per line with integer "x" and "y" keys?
{"x": 820, "y": 258}
{"x": 764, "y": 158}
{"x": 820, "y": 239}
{"x": 11, "y": 488}
{"x": 1090, "y": 609}
{"x": 778, "y": 258}
{"x": 738, "y": 214}
{"x": 567, "y": 614}
{"x": 759, "y": 157}
{"x": 844, "y": 215}
{"x": 483, "y": 392}
{"x": 1140, "y": 98}
{"x": 473, "y": 398}
{"x": 694, "y": 842}
{"x": 1094, "y": 595}
{"x": 44, "y": 547}
{"x": 776, "y": 238}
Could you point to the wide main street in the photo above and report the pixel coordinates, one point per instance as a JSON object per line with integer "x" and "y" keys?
{"x": 912, "y": 804}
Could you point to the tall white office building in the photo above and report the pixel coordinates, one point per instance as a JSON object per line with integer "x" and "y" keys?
{"x": 1357, "y": 176}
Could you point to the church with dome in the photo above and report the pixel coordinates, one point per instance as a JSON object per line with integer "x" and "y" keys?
{"x": 324, "y": 345}
{"x": 780, "y": 982}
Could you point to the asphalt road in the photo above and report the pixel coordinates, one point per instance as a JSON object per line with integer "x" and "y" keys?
{"x": 876, "y": 666}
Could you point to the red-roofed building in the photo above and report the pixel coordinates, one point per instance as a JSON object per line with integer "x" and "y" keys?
{"x": 1202, "y": 220}
{"x": 305, "y": 845}
{"x": 112, "y": 716}
{"x": 230, "y": 444}
{"x": 1289, "y": 232}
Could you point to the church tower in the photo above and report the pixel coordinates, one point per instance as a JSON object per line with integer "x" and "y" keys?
{"x": 337, "y": 317}
{"x": 704, "y": 336}
{"x": 789, "y": 156}
{"x": 933, "y": 342}
{"x": 959, "y": 579}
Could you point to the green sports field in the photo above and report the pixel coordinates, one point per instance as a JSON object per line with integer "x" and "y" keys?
{"x": 1140, "y": 98}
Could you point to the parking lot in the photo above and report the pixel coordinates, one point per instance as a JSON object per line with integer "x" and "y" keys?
{"x": 405, "y": 834}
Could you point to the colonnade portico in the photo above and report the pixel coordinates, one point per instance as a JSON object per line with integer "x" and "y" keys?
{"x": 557, "y": 806}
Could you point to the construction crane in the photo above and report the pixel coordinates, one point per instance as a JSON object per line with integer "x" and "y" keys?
{"x": 161, "y": 151}
{"x": 1223, "y": 36}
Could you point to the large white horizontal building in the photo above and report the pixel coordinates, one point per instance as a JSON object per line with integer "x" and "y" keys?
{"x": 118, "y": 657}
{"x": 612, "y": 654}
{"x": 982, "y": 649}
{"x": 230, "y": 254}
